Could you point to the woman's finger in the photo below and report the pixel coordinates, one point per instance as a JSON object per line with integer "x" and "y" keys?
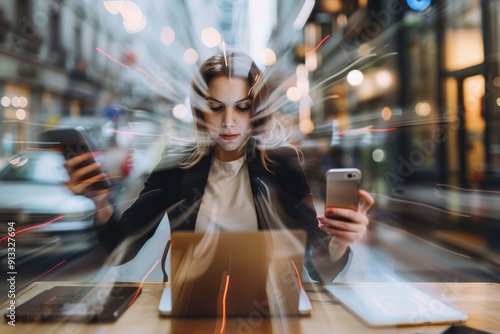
{"x": 368, "y": 202}
{"x": 78, "y": 160}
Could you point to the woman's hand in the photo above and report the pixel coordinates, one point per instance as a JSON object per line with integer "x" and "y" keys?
{"x": 349, "y": 231}
{"x": 79, "y": 181}
{"x": 81, "y": 184}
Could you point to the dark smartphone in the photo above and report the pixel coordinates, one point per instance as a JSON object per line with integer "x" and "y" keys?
{"x": 342, "y": 186}
{"x": 72, "y": 142}
{"x": 459, "y": 329}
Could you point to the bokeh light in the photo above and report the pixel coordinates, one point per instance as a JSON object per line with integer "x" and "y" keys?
{"x": 180, "y": 111}
{"x": 268, "y": 57}
{"x": 211, "y": 37}
{"x": 23, "y": 102}
{"x": 190, "y": 56}
{"x": 131, "y": 11}
{"x": 167, "y": 35}
{"x": 423, "y": 109}
{"x": 355, "y": 77}
{"x": 15, "y": 102}
{"x": 133, "y": 27}
{"x": 378, "y": 155}
{"x": 293, "y": 94}
{"x": 383, "y": 78}
{"x": 418, "y": 5}
{"x": 386, "y": 113}
{"x": 113, "y": 6}
{"x": 20, "y": 114}
{"x": 5, "y": 101}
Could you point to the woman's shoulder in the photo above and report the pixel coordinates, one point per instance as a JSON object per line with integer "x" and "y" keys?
{"x": 283, "y": 151}
{"x": 285, "y": 155}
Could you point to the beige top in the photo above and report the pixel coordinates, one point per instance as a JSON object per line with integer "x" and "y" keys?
{"x": 227, "y": 203}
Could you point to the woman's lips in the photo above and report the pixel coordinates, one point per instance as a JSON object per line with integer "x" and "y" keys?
{"x": 229, "y": 137}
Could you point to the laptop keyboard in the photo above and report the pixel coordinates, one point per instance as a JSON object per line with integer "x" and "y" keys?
{"x": 83, "y": 304}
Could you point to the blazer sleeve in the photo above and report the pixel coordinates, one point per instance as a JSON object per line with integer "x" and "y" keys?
{"x": 297, "y": 201}
{"x": 130, "y": 231}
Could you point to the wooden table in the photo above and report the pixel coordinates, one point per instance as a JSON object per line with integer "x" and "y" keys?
{"x": 481, "y": 301}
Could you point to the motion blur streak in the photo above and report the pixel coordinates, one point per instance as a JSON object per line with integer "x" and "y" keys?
{"x": 469, "y": 190}
{"x": 319, "y": 45}
{"x": 111, "y": 58}
{"x": 363, "y": 130}
{"x": 422, "y": 205}
{"x": 142, "y": 282}
{"x": 34, "y": 227}
{"x": 223, "y": 326}
{"x": 132, "y": 133}
{"x": 162, "y": 84}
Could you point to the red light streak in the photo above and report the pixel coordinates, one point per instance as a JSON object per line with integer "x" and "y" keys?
{"x": 34, "y": 227}
{"x": 319, "y": 44}
{"x": 98, "y": 180}
{"x": 142, "y": 282}
{"x": 224, "y": 298}
{"x": 300, "y": 284}
{"x": 42, "y": 149}
{"x": 111, "y": 58}
{"x": 138, "y": 69}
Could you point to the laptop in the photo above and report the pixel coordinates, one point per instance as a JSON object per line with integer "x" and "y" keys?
{"x": 395, "y": 304}
{"x": 218, "y": 274}
{"x": 96, "y": 303}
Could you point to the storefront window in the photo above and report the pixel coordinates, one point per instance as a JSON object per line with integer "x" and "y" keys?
{"x": 494, "y": 87}
{"x": 463, "y": 35}
{"x": 16, "y": 108}
{"x": 421, "y": 109}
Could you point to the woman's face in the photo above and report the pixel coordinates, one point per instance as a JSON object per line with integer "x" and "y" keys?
{"x": 229, "y": 115}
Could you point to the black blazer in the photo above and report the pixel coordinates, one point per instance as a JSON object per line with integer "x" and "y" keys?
{"x": 282, "y": 198}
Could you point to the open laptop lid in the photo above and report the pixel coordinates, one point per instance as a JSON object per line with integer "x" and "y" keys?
{"x": 393, "y": 304}
{"x": 236, "y": 273}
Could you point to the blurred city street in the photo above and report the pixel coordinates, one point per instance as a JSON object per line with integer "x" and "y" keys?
{"x": 389, "y": 252}
{"x": 408, "y": 92}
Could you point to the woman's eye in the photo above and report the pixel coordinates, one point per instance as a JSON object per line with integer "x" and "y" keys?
{"x": 244, "y": 107}
{"x": 215, "y": 107}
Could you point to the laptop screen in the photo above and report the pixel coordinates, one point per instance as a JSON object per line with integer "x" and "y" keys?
{"x": 236, "y": 273}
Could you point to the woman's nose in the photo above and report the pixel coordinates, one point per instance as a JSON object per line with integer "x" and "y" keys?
{"x": 228, "y": 118}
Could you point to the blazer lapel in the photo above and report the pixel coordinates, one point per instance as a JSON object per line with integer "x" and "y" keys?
{"x": 261, "y": 180}
{"x": 192, "y": 189}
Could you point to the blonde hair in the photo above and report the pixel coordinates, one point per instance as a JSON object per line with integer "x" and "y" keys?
{"x": 268, "y": 129}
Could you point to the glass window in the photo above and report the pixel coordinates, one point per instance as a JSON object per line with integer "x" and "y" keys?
{"x": 463, "y": 35}
{"x": 43, "y": 168}
{"x": 493, "y": 92}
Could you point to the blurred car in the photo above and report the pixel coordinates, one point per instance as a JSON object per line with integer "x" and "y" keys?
{"x": 47, "y": 217}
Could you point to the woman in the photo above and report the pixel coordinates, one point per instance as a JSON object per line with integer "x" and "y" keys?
{"x": 240, "y": 175}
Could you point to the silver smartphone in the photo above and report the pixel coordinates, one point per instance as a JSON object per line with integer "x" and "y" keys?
{"x": 342, "y": 186}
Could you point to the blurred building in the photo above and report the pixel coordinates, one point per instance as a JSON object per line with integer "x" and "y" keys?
{"x": 68, "y": 58}
{"x": 405, "y": 90}
{"x": 410, "y": 95}
{"x": 50, "y": 67}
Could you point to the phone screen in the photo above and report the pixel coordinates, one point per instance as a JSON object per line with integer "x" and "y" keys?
{"x": 72, "y": 142}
